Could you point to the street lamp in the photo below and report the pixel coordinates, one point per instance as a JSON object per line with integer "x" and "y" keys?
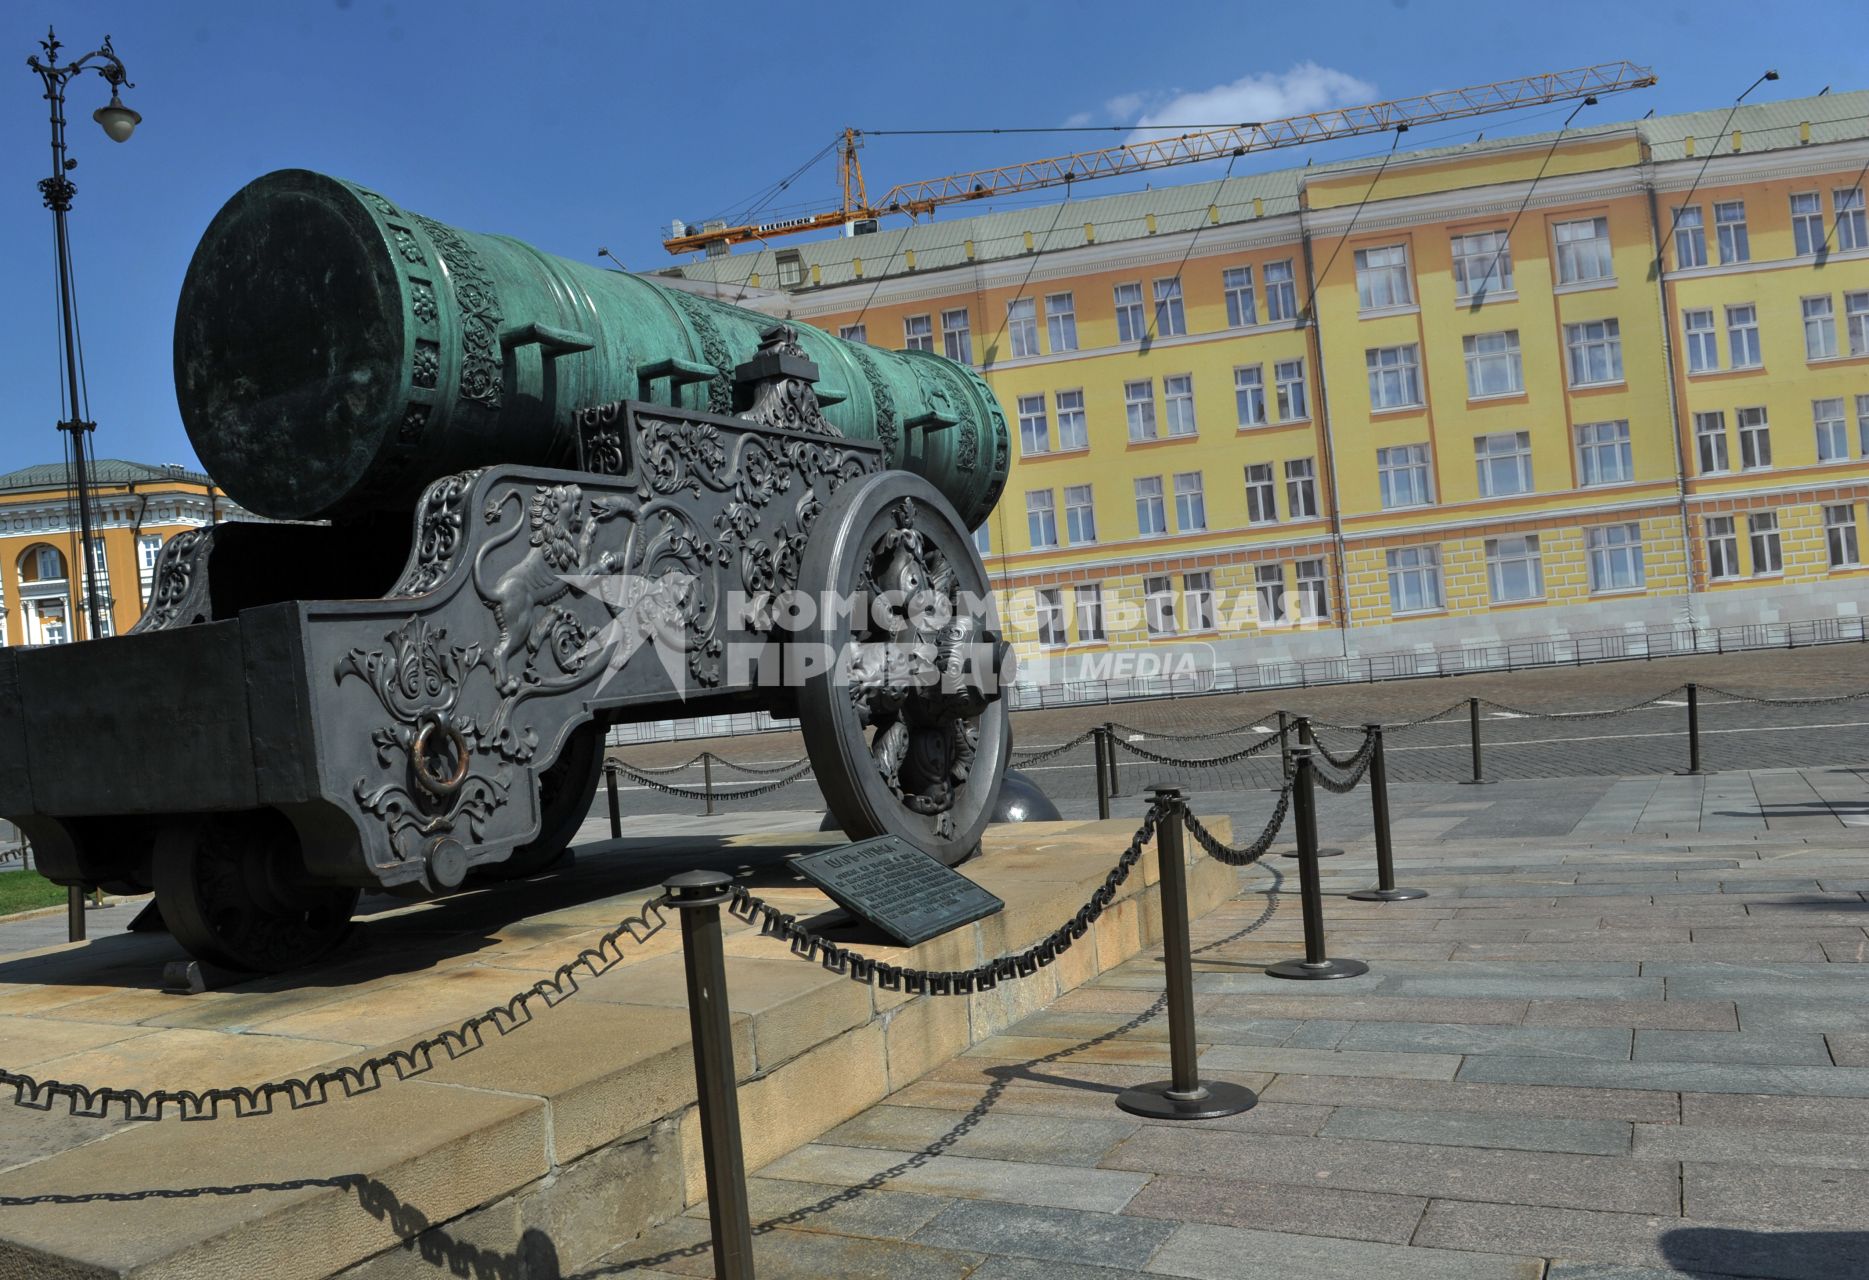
{"x": 118, "y": 122}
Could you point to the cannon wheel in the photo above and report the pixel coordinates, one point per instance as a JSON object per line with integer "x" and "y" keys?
{"x": 889, "y": 760}
{"x": 565, "y": 793}
{"x": 226, "y": 889}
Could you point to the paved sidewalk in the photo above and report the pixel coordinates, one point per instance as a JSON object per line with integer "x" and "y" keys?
{"x": 1636, "y": 1050}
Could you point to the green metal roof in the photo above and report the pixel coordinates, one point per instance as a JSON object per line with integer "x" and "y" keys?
{"x": 1767, "y": 126}
{"x": 52, "y": 475}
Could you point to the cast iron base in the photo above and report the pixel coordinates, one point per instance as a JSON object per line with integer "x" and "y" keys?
{"x": 1158, "y": 1101}
{"x": 1387, "y": 895}
{"x": 1331, "y": 852}
{"x": 1690, "y": 773}
{"x": 1322, "y": 969}
{"x": 1478, "y": 782}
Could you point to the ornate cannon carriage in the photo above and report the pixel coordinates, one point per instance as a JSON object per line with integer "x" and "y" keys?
{"x": 629, "y": 503}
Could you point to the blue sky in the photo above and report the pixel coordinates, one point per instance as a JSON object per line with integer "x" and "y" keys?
{"x": 579, "y": 124}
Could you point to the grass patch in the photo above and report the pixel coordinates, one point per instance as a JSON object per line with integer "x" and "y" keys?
{"x": 27, "y": 891}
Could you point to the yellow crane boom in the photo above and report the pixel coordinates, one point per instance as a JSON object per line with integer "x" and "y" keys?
{"x": 917, "y": 198}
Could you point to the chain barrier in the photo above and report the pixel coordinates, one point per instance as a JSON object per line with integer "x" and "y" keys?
{"x": 348, "y": 1081}
{"x": 1581, "y": 715}
{"x": 1236, "y": 731}
{"x": 1357, "y": 766}
{"x": 610, "y": 763}
{"x": 944, "y": 982}
{"x": 1019, "y": 759}
{"x": 1785, "y": 702}
{"x": 1389, "y": 726}
{"x": 1262, "y": 745}
{"x": 759, "y": 771}
{"x": 1216, "y": 848}
{"x": 1343, "y": 762}
{"x": 687, "y": 793}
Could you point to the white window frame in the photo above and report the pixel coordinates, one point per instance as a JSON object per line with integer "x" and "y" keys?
{"x": 1755, "y": 438}
{"x": 1293, "y": 400}
{"x": 1394, "y": 377}
{"x": 1807, "y": 222}
{"x": 1730, "y": 229}
{"x": 1382, "y": 282}
{"x": 1767, "y": 544}
{"x": 1061, "y": 321}
{"x": 1846, "y": 207}
{"x": 1178, "y": 404}
{"x": 1261, "y": 494}
{"x": 1131, "y": 318}
{"x": 1690, "y": 237}
{"x": 1615, "y": 558}
{"x": 1087, "y": 601}
{"x": 1041, "y": 519}
{"x": 1158, "y": 604}
{"x": 957, "y": 336}
{"x": 1080, "y": 515}
{"x": 1414, "y": 580}
{"x": 1313, "y": 590}
{"x": 1511, "y": 561}
{"x": 1197, "y": 591}
{"x": 1722, "y": 537}
{"x": 1249, "y": 395}
{"x": 1048, "y": 610}
{"x": 1841, "y": 542}
{"x": 1405, "y": 471}
{"x": 1139, "y": 409}
{"x": 1190, "y": 502}
{"x": 1171, "y": 317}
{"x": 1856, "y": 321}
{"x": 1494, "y": 365}
{"x": 918, "y": 333}
{"x": 1301, "y": 489}
{"x": 1281, "y": 291}
{"x": 1034, "y": 426}
{"x": 1269, "y": 597}
{"x": 1599, "y": 442}
{"x": 1073, "y": 427}
{"x": 1584, "y": 253}
{"x": 1151, "y": 507}
{"x": 1832, "y": 427}
{"x": 1743, "y": 349}
{"x": 1594, "y": 347}
{"x": 1236, "y": 284}
{"x": 1022, "y": 327}
{"x": 1711, "y": 448}
{"x": 1502, "y": 462}
{"x": 858, "y": 332}
{"x": 1820, "y": 326}
{"x": 1487, "y": 252}
{"x": 1702, "y": 340}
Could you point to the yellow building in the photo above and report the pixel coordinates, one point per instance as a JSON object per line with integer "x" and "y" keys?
{"x": 1527, "y": 388}
{"x": 135, "y": 508}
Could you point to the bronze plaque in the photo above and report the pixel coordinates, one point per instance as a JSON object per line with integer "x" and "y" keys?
{"x": 898, "y": 888}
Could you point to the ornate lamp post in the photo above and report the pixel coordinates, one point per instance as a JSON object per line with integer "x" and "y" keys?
{"x": 118, "y": 122}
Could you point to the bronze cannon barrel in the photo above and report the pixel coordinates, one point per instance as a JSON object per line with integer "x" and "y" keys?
{"x": 335, "y": 352}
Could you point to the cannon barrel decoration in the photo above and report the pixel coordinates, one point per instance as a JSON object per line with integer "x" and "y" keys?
{"x": 519, "y": 499}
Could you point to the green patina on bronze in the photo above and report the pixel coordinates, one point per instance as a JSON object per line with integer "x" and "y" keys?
{"x": 335, "y": 352}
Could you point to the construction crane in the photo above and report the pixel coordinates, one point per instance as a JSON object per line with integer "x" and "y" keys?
{"x": 918, "y": 198}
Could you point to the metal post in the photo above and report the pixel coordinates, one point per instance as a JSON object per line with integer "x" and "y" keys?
{"x": 74, "y": 914}
{"x": 1693, "y": 731}
{"x": 1284, "y": 744}
{"x": 1307, "y": 741}
{"x": 697, "y": 895}
{"x": 616, "y": 809}
{"x": 1473, "y": 727}
{"x": 1385, "y": 890}
{"x": 707, "y": 779}
{"x": 1109, "y": 731}
{"x": 1105, "y": 748}
{"x": 1185, "y": 1096}
{"x": 1316, "y": 964}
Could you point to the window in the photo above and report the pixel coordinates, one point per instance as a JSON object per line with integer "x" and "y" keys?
{"x": 854, "y": 332}
{"x": 1072, "y": 431}
{"x": 1281, "y": 294}
{"x": 1178, "y": 400}
{"x": 1249, "y": 395}
{"x": 1300, "y": 489}
{"x": 52, "y": 623}
{"x": 1159, "y": 605}
{"x": 1710, "y": 442}
{"x": 1050, "y": 616}
{"x": 1862, "y": 424}
{"x": 1403, "y": 475}
{"x": 1603, "y": 454}
{"x": 1615, "y": 557}
{"x": 1313, "y": 594}
{"x": 956, "y": 337}
{"x": 1139, "y": 404}
{"x": 1690, "y": 238}
{"x": 1703, "y": 347}
{"x": 1394, "y": 376}
{"x": 1820, "y": 328}
{"x": 1504, "y": 463}
{"x": 1482, "y": 264}
{"x": 1129, "y": 322}
{"x": 1061, "y": 322}
{"x": 1034, "y": 429}
{"x": 1041, "y": 518}
{"x": 1414, "y": 579}
{"x": 1742, "y": 336}
{"x": 1236, "y": 282}
{"x": 1807, "y": 222}
{"x": 1022, "y": 326}
{"x": 148, "y": 549}
{"x": 1199, "y": 588}
{"x": 1840, "y": 535}
{"x": 1583, "y": 251}
{"x": 1755, "y": 440}
{"x": 1170, "y": 320}
{"x": 1151, "y": 512}
{"x": 51, "y": 565}
{"x": 1493, "y": 364}
{"x": 1729, "y": 224}
{"x": 1595, "y": 352}
{"x": 1514, "y": 569}
{"x": 1833, "y": 439}
{"x": 1856, "y": 321}
{"x": 1722, "y": 548}
{"x": 1261, "y": 494}
{"x": 1768, "y": 554}
{"x": 1190, "y": 502}
{"x": 791, "y": 266}
{"x": 1089, "y": 602}
{"x": 1269, "y": 593}
{"x": 983, "y": 539}
{"x": 1080, "y": 517}
{"x": 918, "y": 333}
{"x": 1847, "y": 204}
{"x": 1292, "y": 404}
{"x": 1382, "y": 278}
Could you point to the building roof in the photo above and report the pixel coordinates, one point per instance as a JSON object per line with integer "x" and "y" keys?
{"x": 52, "y": 475}
{"x": 1766, "y": 126}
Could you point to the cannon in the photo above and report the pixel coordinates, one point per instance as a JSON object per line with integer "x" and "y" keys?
{"x": 509, "y": 500}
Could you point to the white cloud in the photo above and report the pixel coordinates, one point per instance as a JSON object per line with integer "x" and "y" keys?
{"x": 1078, "y": 120}
{"x": 1265, "y": 96}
